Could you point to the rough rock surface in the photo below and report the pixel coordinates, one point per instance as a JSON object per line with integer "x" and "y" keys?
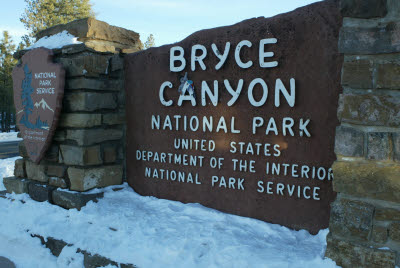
{"x": 97, "y": 34}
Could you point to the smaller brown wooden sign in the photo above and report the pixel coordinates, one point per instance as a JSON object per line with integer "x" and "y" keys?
{"x": 38, "y": 91}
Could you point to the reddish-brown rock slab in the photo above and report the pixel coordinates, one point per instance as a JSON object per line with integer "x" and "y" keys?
{"x": 306, "y": 50}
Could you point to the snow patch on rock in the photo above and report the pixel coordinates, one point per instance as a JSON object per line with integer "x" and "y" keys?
{"x": 56, "y": 41}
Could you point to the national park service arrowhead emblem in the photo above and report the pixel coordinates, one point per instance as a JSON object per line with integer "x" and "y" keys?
{"x": 38, "y": 92}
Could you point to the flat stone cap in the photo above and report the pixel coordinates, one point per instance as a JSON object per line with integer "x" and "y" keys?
{"x": 94, "y": 33}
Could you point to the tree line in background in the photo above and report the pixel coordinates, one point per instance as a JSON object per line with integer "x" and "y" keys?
{"x": 38, "y": 15}
{"x": 7, "y": 110}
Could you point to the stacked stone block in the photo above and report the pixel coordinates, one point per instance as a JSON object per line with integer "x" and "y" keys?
{"x": 88, "y": 148}
{"x": 365, "y": 218}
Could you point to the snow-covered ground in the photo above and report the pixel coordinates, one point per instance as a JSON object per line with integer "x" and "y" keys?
{"x": 151, "y": 232}
{"x": 7, "y": 165}
{"x": 6, "y": 169}
{"x": 9, "y": 136}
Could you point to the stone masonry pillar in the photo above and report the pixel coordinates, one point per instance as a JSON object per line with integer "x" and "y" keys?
{"x": 88, "y": 148}
{"x": 365, "y": 218}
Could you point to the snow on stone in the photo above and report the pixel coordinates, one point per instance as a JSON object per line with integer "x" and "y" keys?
{"x": 152, "y": 232}
{"x": 6, "y": 170}
{"x": 9, "y": 136}
{"x": 56, "y": 41}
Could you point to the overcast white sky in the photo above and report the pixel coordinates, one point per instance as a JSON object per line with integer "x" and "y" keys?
{"x": 168, "y": 20}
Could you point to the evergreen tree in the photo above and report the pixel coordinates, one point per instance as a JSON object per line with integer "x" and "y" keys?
{"x": 150, "y": 42}
{"x": 25, "y": 43}
{"x": 7, "y": 63}
{"x": 42, "y": 14}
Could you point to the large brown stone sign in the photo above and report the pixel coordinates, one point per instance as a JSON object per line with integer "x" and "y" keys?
{"x": 240, "y": 118}
{"x": 38, "y": 91}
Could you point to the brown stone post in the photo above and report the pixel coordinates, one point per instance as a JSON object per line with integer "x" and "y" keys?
{"x": 365, "y": 218}
{"x": 88, "y": 148}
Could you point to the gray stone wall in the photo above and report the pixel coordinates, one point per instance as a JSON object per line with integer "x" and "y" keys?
{"x": 365, "y": 218}
{"x": 88, "y": 148}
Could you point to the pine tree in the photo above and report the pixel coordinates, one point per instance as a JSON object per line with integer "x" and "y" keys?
{"x": 150, "y": 42}
{"x": 42, "y": 14}
{"x": 7, "y": 63}
{"x": 25, "y": 43}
